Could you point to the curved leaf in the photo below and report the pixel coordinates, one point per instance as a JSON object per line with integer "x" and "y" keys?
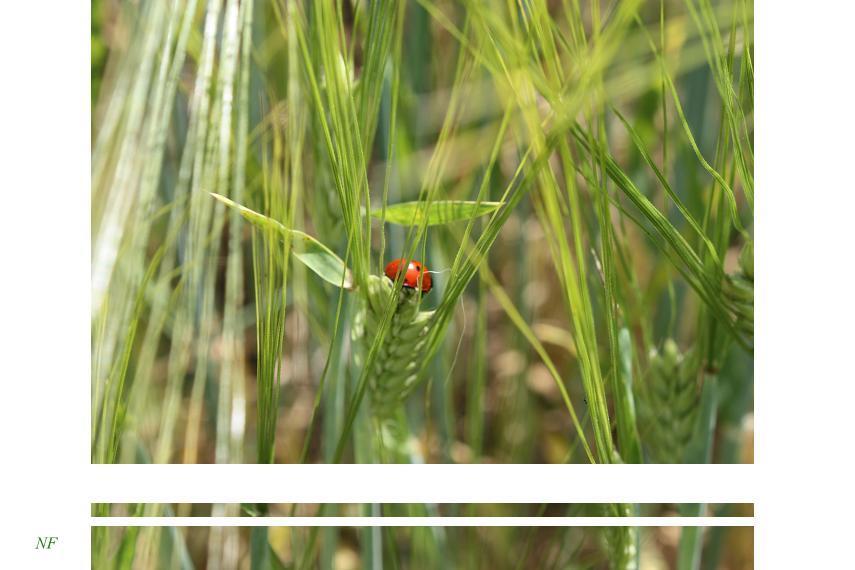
{"x": 314, "y": 255}
{"x": 439, "y": 212}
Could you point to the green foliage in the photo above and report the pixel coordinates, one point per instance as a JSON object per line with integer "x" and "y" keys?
{"x": 312, "y": 253}
{"x": 630, "y": 444}
{"x": 98, "y": 48}
{"x": 436, "y": 213}
{"x": 739, "y": 289}
{"x": 580, "y": 177}
{"x": 437, "y": 548}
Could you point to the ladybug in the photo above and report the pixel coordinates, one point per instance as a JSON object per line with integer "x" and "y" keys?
{"x": 412, "y": 276}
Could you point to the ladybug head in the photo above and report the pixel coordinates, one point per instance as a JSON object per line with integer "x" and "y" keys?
{"x": 415, "y": 274}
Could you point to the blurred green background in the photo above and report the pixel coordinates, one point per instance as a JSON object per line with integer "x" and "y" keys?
{"x": 349, "y": 548}
{"x": 645, "y": 319}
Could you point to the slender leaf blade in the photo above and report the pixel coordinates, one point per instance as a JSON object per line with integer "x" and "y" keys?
{"x": 435, "y": 213}
{"x": 312, "y": 253}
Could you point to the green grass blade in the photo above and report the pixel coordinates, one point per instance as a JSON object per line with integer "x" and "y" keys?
{"x": 625, "y": 402}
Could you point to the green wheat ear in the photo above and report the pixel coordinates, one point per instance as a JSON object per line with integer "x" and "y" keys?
{"x": 673, "y": 402}
{"x": 394, "y": 372}
{"x": 622, "y": 541}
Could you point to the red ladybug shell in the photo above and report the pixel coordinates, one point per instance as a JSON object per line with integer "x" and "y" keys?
{"x": 411, "y": 277}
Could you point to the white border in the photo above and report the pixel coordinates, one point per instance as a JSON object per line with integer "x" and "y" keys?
{"x": 802, "y": 481}
{"x": 804, "y": 276}
{"x": 44, "y": 281}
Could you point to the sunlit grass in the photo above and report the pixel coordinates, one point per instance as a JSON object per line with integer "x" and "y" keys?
{"x": 580, "y": 176}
